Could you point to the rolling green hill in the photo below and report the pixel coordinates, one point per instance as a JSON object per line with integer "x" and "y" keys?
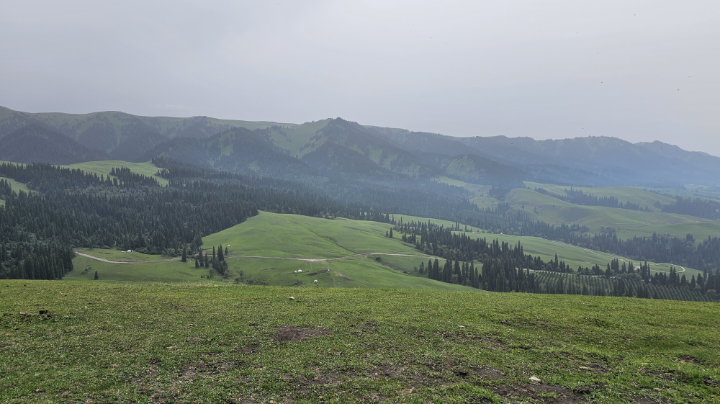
{"x": 641, "y": 197}
{"x": 98, "y": 342}
{"x": 340, "y": 245}
{"x": 269, "y": 248}
{"x": 627, "y": 223}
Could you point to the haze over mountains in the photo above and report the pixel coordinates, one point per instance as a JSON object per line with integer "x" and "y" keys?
{"x": 336, "y": 148}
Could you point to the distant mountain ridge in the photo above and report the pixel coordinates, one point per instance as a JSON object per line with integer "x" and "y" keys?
{"x": 343, "y": 149}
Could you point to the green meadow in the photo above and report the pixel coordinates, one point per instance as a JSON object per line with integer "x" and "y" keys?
{"x": 76, "y": 342}
{"x": 269, "y": 248}
{"x": 104, "y": 167}
{"x": 627, "y": 223}
{"x": 645, "y": 199}
{"x": 573, "y": 255}
{"x": 15, "y": 186}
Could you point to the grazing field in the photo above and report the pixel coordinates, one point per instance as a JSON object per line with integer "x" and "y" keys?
{"x": 641, "y": 197}
{"x": 577, "y": 256}
{"x": 627, "y": 223}
{"x": 15, "y": 186}
{"x": 295, "y": 236}
{"x": 104, "y": 167}
{"x": 237, "y": 343}
{"x": 267, "y": 249}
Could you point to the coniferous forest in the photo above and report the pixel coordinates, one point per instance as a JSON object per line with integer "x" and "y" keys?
{"x": 507, "y": 268}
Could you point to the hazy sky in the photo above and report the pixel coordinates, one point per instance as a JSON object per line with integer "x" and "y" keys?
{"x": 638, "y": 70}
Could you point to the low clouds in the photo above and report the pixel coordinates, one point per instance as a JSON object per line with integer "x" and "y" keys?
{"x": 640, "y": 70}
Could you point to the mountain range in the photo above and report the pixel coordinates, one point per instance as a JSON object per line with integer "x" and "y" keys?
{"x": 336, "y": 148}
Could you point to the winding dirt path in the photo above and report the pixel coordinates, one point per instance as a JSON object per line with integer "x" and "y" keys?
{"x": 255, "y": 256}
{"x": 123, "y": 262}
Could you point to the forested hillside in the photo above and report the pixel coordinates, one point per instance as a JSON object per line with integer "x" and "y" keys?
{"x": 254, "y": 147}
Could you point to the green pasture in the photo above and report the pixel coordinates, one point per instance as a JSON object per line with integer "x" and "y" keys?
{"x": 267, "y": 249}
{"x": 353, "y": 272}
{"x": 196, "y": 343}
{"x": 16, "y": 187}
{"x": 295, "y": 236}
{"x": 165, "y": 271}
{"x": 573, "y": 255}
{"x": 644, "y": 198}
{"x": 627, "y": 223}
{"x": 103, "y": 168}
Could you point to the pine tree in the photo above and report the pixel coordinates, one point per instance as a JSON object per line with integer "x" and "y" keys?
{"x": 184, "y": 255}
{"x": 96, "y": 276}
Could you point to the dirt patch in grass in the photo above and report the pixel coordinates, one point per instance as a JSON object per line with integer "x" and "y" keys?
{"x": 689, "y": 359}
{"x": 249, "y": 349}
{"x": 540, "y": 392}
{"x": 488, "y": 373}
{"x": 292, "y": 333}
{"x": 319, "y": 272}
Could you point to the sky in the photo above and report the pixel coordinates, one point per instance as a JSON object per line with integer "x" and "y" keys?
{"x": 637, "y": 70}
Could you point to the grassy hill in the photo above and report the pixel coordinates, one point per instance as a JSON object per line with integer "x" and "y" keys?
{"x": 573, "y": 255}
{"x": 104, "y": 167}
{"x": 627, "y": 223}
{"x": 236, "y": 343}
{"x": 265, "y": 250}
{"x": 641, "y": 197}
{"x": 268, "y": 249}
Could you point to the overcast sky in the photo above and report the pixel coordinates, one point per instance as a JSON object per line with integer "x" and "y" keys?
{"x": 638, "y": 70}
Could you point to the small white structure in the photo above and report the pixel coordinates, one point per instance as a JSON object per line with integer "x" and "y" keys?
{"x": 299, "y": 270}
{"x": 315, "y": 281}
{"x": 294, "y": 272}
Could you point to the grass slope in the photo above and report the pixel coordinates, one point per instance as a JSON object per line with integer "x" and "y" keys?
{"x": 104, "y": 167}
{"x": 233, "y": 343}
{"x": 16, "y": 187}
{"x": 323, "y": 245}
{"x": 573, "y": 255}
{"x": 641, "y": 197}
{"x": 326, "y": 248}
{"x": 627, "y": 223}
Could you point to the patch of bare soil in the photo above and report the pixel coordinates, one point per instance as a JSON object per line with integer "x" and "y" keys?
{"x": 689, "y": 359}
{"x": 540, "y": 392}
{"x": 151, "y": 371}
{"x": 319, "y": 272}
{"x": 488, "y": 373}
{"x": 249, "y": 349}
{"x": 292, "y": 333}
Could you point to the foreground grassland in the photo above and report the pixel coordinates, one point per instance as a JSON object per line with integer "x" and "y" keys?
{"x": 104, "y": 167}
{"x": 235, "y": 343}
